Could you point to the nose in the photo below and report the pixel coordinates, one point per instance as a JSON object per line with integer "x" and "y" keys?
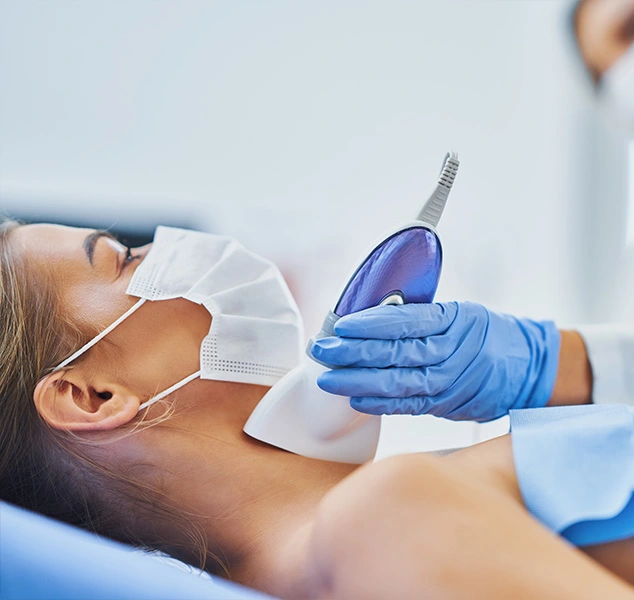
{"x": 139, "y": 254}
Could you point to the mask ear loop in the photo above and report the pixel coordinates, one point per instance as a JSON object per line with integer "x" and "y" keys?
{"x": 169, "y": 390}
{"x": 100, "y": 337}
{"x": 104, "y": 333}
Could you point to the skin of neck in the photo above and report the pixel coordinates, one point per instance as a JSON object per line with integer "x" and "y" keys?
{"x": 255, "y": 502}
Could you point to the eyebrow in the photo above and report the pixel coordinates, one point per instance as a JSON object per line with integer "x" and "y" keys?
{"x": 91, "y": 241}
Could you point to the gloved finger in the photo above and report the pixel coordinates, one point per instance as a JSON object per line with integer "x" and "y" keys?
{"x": 465, "y": 401}
{"x": 462, "y": 400}
{"x": 399, "y": 382}
{"x": 374, "y": 405}
{"x": 408, "y": 352}
{"x": 394, "y": 382}
{"x": 420, "y": 405}
{"x": 397, "y": 322}
{"x": 414, "y": 405}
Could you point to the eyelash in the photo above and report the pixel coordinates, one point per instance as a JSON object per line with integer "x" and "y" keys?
{"x": 128, "y": 258}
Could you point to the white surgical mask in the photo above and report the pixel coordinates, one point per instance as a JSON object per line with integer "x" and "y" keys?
{"x": 256, "y": 332}
{"x": 617, "y": 85}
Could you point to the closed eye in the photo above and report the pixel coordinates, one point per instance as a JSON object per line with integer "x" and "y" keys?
{"x": 91, "y": 240}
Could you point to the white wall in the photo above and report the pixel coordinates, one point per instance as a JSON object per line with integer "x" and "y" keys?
{"x": 308, "y": 128}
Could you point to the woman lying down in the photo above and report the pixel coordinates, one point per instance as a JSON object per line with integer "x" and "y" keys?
{"x": 83, "y": 439}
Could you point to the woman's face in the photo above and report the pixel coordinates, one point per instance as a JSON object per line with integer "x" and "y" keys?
{"x": 90, "y": 268}
{"x": 156, "y": 346}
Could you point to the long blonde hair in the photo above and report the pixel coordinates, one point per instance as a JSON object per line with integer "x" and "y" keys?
{"x": 46, "y": 470}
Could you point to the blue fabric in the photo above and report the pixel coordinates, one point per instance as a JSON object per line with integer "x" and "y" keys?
{"x": 618, "y": 527}
{"x": 43, "y": 559}
{"x": 575, "y": 467}
{"x": 457, "y": 360}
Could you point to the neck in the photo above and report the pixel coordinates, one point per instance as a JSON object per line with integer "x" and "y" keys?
{"x": 257, "y": 501}
{"x": 271, "y": 528}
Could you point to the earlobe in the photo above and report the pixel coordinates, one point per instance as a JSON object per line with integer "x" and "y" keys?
{"x": 67, "y": 402}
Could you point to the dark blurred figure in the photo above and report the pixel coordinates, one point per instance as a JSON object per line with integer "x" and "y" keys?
{"x": 604, "y": 31}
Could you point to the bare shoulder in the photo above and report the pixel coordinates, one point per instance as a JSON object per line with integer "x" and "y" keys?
{"x": 390, "y": 488}
{"x": 408, "y": 479}
{"x": 376, "y": 486}
{"x": 417, "y": 526}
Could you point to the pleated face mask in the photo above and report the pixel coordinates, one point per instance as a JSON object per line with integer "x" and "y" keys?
{"x": 256, "y": 333}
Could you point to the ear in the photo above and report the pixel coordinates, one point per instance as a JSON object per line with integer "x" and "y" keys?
{"x": 66, "y": 401}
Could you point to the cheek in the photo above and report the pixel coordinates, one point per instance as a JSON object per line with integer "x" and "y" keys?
{"x": 96, "y": 303}
{"x": 160, "y": 343}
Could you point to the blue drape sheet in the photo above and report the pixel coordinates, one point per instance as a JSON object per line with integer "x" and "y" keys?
{"x": 575, "y": 467}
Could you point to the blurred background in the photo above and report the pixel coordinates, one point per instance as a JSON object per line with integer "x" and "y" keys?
{"x": 308, "y": 129}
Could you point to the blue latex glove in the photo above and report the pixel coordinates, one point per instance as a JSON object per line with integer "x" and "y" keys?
{"x": 456, "y": 360}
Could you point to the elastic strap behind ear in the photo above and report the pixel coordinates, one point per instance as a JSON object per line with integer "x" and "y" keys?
{"x": 169, "y": 390}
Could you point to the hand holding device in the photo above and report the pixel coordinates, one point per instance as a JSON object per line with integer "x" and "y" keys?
{"x": 455, "y": 360}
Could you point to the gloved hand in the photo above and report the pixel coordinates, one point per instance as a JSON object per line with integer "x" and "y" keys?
{"x": 455, "y": 360}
